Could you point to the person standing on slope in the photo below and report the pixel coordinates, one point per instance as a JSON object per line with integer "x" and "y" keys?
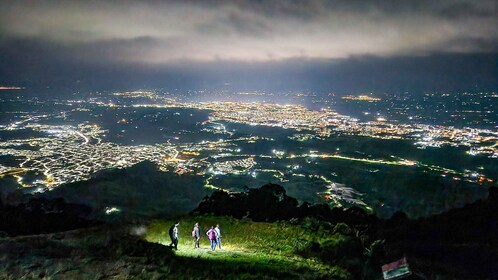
{"x": 173, "y": 235}
{"x": 218, "y": 235}
{"x": 211, "y": 233}
{"x": 196, "y": 235}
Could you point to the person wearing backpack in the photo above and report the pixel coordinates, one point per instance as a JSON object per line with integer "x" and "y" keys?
{"x": 173, "y": 235}
{"x": 211, "y": 233}
{"x": 196, "y": 235}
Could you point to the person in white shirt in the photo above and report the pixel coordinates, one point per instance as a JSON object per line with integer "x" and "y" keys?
{"x": 218, "y": 235}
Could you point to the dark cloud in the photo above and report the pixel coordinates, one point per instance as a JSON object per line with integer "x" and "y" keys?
{"x": 255, "y": 30}
{"x": 267, "y": 44}
{"x": 35, "y": 64}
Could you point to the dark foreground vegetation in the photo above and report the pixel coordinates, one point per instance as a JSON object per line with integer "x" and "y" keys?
{"x": 266, "y": 233}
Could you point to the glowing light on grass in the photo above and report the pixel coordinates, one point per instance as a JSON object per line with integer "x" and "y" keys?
{"x": 244, "y": 242}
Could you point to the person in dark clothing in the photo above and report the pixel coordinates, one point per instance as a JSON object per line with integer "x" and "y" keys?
{"x": 173, "y": 235}
{"x": 196, "y": 235}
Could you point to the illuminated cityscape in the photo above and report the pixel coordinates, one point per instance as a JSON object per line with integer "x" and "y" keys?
{"x": 309, "y": 139}
{"x": 63, "y": 153}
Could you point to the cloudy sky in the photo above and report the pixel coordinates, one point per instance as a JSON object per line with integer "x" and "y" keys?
{"x": 54, "y": 36}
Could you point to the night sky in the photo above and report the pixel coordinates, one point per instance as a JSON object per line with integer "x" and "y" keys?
{"x": 330, "y": 46}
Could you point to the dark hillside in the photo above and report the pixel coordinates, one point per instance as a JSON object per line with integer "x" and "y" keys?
{"x": 141, "y": 191}
{"x": 461, "y": 243}
{"x": 39, "y": 215}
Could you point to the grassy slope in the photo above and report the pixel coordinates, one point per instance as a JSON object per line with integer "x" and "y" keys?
{"x": 250, "y": 250}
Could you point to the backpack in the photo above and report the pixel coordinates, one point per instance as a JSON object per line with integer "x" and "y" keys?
{"x": 193, "y": 232}
{"x": 212, "y": 234}
{"x": 171, "y": 230}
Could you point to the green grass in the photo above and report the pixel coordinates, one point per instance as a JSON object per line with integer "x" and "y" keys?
{"x": 247, "y": 248}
